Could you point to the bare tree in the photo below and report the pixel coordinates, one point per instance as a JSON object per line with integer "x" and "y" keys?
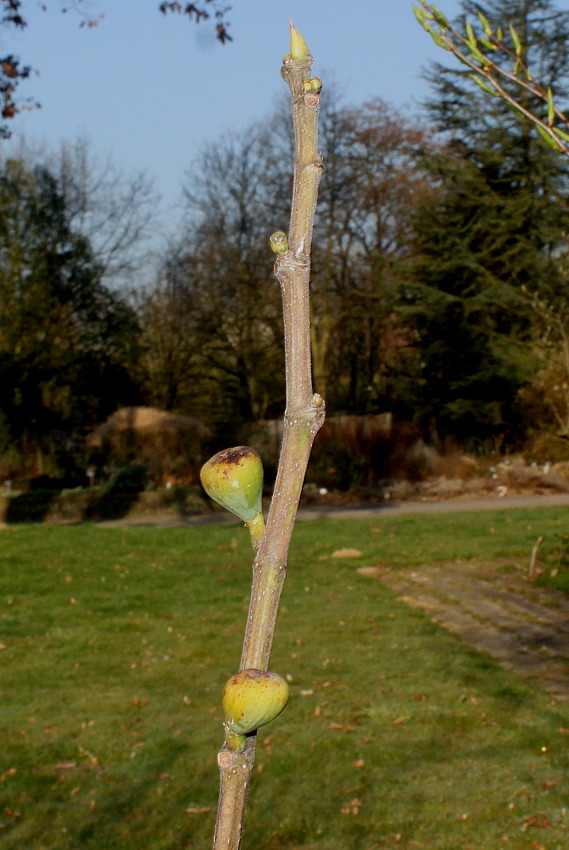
{"x": 114, "y": 210}
{"x": 372, "y": 184}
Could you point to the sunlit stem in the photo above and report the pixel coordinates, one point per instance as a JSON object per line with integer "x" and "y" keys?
{"x": 256, "y": 530}
{"x": 304, "y": 415}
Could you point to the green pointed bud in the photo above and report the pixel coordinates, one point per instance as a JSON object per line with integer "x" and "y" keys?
{"x": 313, "y": 85}
{"x": 439, "y": 41}
{"x": 298, "y": 47}
{"x": 484, "y": 86}
{"x": 251, "y": 699}
{"x": 516, "y": 40}
{"x": 485, "y": 24}
{"x": 562, "y": 134}
{"x": 234, "y": 479}
{"x": 550, "y": 107}
{"x": 549, "y": 140}
{"x": 278, "y": 242}
{"x": 478, "y": 56}
{"x": 470, "y": 36}
{"x": 420, "y": 15}
{"x": 439, "y": 17}
{"x": 487, "y": 44}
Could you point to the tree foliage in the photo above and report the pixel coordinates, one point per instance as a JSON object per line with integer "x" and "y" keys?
{"x": 431, "y": 252}
{"x": 218, "y": 9}
{"x": 500, "y": 63}
{"x": 494, "y": 229}
{"x": 65, "y": 338}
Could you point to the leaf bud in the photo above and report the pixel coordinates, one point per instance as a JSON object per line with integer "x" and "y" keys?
{"x": 298, "y": 47}
{"x": 278, "y": 242}
{"x": 313, "y": 85}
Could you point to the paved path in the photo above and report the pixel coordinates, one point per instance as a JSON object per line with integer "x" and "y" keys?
{"x": 524, "y": 627}
{"x": 458, "y": 505}
{"x": 386, "y": 509}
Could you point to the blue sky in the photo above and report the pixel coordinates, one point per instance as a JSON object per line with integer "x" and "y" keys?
{"x": 151, "y": 90}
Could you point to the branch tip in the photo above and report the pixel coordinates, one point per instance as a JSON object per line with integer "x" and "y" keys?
{"x": 298, "y": 47}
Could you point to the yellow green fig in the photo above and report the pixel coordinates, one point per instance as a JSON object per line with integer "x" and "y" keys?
{"x": 251, "y": 699}
{"x": 234, "y": 479}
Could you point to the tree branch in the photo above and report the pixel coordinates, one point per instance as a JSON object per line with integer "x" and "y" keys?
{"x": 475, "y": 51}
{"x": 304, "y": 416}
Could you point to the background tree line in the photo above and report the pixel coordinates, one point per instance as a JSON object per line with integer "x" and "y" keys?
{"x": 439, "y": 272}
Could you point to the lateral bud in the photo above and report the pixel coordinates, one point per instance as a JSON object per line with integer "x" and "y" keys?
{"x": 278, "y": 242}
{"x": 313, "y": 85}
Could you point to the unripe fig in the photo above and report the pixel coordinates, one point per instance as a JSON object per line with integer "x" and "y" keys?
{"x": 234, "y": 479}
{"x": 251, "y": 699}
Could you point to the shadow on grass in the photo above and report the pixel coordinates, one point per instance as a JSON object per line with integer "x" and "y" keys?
{"x": 45, "y": 505}
{"x": 113, "y": 502}
{"x": 110, "y": 505}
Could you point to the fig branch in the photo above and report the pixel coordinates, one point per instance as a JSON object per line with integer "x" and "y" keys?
{"x": 475, "y": 50}
{"x": 253, "y": 696}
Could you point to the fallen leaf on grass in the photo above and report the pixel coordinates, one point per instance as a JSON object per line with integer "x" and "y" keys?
{"x": 352, "y": 808}
{"x": 93, "y": 759}
{"x": 347, "y": 553}
{"x": 540, "y": 821}
{"x": 523, "y": 790}
{"x": 10, "y": 772}
{"x": 370, "y": 572}
{"x": 197, "y": 810}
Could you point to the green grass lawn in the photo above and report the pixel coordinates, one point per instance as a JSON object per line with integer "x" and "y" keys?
{"x": 116, "y": 645}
